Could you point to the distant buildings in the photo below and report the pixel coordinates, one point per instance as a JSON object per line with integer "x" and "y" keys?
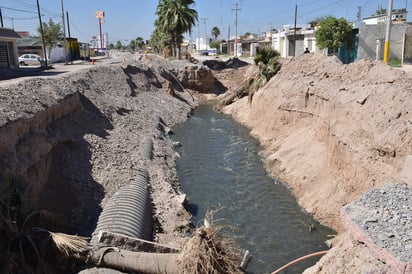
{"x": 398, "y": 16}
{"x": 8, "y": 48}
{"x": 367, "y": 40}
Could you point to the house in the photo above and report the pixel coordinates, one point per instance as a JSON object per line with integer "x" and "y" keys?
{"x": 30, "y": 45}
{"x": 8, "y": 48}
{"x": 293, "y": 42}
{"x": 398, "y": 16}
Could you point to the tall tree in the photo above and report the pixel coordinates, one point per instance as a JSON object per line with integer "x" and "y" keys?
{"x": 215, "y": 32}
{"x": 119, "y": 45}
{"x": 133, "y": 45}
{"x": 333, "y": 33}
{"x": 160, "y": 40}
{"x": 52, "y": 34}
{"x": 139, "y": 42}
{"x": 175, "y": 17}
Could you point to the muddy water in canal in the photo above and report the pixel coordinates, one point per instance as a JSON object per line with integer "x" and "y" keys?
{"x": 220, "y": 167}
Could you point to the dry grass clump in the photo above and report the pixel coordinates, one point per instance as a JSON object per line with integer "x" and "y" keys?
{"x": 68, "y": 244}
{"x": 208, "y": 251}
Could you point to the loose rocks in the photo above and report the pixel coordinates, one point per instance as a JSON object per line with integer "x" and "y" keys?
{"x": 385, "y": 216}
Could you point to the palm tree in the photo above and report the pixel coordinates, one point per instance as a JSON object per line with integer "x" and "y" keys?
{"x": 159, "y": 40}
{"x": 175, "y": 17}
{"x": 215, "y": 32}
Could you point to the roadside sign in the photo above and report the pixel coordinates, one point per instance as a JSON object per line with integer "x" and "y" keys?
{"x": 100, "y": 14}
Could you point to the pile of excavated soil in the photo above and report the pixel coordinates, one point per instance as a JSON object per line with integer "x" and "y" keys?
{"x": 76, "y": 139}
{"x": 332, "y": 131}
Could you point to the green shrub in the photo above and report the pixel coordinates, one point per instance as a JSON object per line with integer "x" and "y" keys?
{"x": 267, "y": 61}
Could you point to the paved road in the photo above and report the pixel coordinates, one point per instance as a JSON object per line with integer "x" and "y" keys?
{"x": 24, "y": 73}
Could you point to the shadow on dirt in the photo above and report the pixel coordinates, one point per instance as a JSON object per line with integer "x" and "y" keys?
{"x": 69, "y": 189}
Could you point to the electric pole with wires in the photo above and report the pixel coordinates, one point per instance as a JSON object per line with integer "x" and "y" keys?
{"x": 236, "y": 9}
{"x": 388, "y": 33}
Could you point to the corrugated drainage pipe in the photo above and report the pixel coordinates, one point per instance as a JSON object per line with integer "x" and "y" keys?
{"x": 129, "y": 210}
{"x": 147, "y": 148}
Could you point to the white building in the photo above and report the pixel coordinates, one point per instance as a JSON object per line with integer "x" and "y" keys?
{"x": 289, "y": 42}
{"x": 398, "y": 16}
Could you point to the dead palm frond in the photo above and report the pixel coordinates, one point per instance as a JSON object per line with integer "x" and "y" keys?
{"x": 67, "y": 244}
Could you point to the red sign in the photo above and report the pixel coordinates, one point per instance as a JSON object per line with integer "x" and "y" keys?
{"x": 100, "y": 14}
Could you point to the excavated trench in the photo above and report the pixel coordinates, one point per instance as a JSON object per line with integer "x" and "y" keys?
{"x": 40, "y": 148}
{"x": 220, "y": 168}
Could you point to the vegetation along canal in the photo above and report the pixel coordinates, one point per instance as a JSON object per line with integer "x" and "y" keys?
{"x": 220, "y": 168}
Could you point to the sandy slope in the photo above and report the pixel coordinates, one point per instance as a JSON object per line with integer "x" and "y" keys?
{"x": 332, "y": 131}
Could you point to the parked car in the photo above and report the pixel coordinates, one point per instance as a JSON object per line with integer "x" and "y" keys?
{"x": 30, "y": 59}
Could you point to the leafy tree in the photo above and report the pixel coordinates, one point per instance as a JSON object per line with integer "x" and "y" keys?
{"x": 111, "y": 46}
{"x": 333, "y": 33}
{"x": 315, "y": 22}
{"x": 216, "y": 45}
{"x": 381, "y": 11}
{"x": 119, "y": 45}
{"x": 139, "y": 42}
{"x": 215, "y": 32}
{"x": 52, "y": 33}
{"x": 133, "y": 45}
{"x": 175, "y": 17}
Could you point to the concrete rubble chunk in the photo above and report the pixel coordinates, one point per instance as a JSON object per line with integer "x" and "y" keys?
{"x": 382, "y": 219}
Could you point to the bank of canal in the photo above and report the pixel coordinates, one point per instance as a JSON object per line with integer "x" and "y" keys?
{"x": 220, "y": 167}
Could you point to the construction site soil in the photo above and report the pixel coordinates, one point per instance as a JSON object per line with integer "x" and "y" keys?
{"x": 330, "y": 131}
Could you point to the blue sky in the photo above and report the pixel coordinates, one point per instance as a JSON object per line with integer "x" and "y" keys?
{"x": 128, "y": 19}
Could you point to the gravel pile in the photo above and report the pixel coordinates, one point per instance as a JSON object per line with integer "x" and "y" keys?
{"x": 385, "y": 215}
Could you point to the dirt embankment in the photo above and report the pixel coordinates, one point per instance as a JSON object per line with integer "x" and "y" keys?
{"x": 331, "y": 132}
{"x": 76, "y": 139}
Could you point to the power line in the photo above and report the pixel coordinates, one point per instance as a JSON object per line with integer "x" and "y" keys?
{"x": 21, "y": 19}
{"x": 19, "y": 10}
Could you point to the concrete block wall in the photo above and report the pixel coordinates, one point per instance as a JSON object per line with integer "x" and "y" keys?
{"x": 372, "y": 41}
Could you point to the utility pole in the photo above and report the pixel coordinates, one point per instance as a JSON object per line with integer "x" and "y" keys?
{"x": 198, "y": 38}
{"x": 1, "y": 19}
{"x": 228, "y": 41}
{"x": 70, "y": 39}
{"x": 64, "y": 34}
{"x": 42, "y": 33}
{"x": 204, "y": 22}
{"x": 388, "y": 33}
{"x": 236, "y": 9}
{"x": 294, "y": 31}
{"x": 359, "y": 15}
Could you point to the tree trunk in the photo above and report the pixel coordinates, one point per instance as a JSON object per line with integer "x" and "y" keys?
{"x": 179, "y": 55}
{"x": 239, "y": 92}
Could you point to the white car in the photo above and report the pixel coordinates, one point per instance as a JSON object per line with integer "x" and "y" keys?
{"x": 30, "y": 59}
